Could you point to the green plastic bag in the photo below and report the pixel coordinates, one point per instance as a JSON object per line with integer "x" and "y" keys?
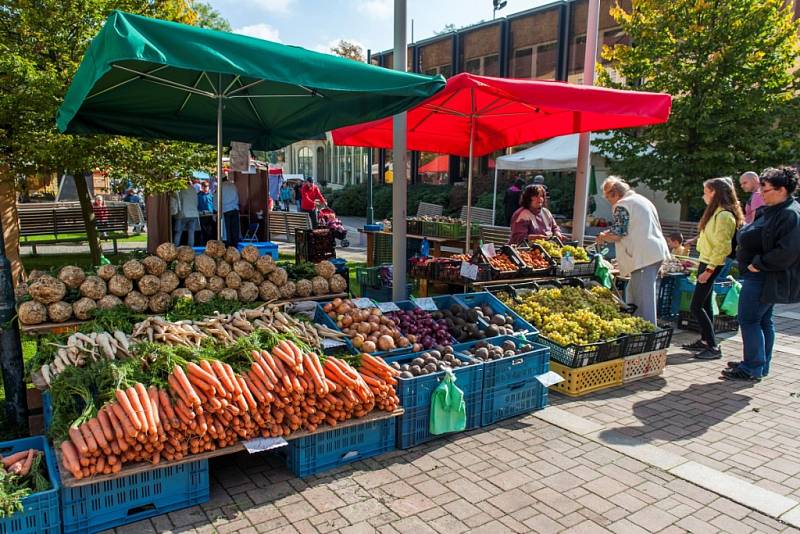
{"x": 602, "y": 271}
{"x": 730, "y": 305}
{"x": 448, "y": 410}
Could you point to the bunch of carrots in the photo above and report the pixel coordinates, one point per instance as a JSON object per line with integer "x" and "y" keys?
{"x": 209, "y": 406}
{"x": 20, "y": 463}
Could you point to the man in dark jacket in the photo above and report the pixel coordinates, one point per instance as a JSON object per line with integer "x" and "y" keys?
{"x": 768, "y": 252}
{"x": 511, "y": 199}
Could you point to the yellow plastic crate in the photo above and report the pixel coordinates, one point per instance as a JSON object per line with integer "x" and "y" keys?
{"x": 583, "y": 380}
{"x": 643, "y": 365}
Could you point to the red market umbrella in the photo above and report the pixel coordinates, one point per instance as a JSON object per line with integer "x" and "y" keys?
{"x": 437, "y": 164}
{"x": 476, "y": 115}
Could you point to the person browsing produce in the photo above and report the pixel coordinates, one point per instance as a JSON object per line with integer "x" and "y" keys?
{"x": 749, "y": 182}
{"x": 532, "y": 220}
{"x": 640, "y": 244}
{"x": 768, "y": 254}
{"x": 723, "y": 215}
{"x": 309, "y": 196}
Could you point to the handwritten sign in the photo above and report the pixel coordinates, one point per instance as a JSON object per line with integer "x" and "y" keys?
{"x": 328, "y": 343}
{"x": 469, "y": 270}
{"x": 426, "y": 303}
{"x": 386, "y": 307}
{"x": 488, "y": 250}
{"x": 263, "y": 444}
{"x": 550, "y": 378}
{"x": 363, "y": 303}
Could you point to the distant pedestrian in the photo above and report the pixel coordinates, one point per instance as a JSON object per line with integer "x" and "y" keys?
{"x": 230, "y": 212}
{"x": 297, "y": 188}
{"x": 287, "y": 195}
{"x": 749, "y": 182}
{"x": 206, "y": 209}
{"x": 768, "y": 254}
{"x": 183, "y": 207}
{"x": 718, "y": 225}
{"x": 511, "y": 199}
{"x": 310, "y": 196}
{"x": 100, "y": 212}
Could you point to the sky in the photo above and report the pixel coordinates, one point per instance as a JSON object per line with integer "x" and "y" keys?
{"x": 320, "y": 24}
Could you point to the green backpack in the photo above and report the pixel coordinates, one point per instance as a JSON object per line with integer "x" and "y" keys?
{"x": 448, "y": 411}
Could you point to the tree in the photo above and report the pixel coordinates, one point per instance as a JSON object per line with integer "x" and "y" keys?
{"x": 208, "y": 17}
{"x": 349, "y": 50}
{"x": 728, "y": 65}
{"x": 448, "y": 28}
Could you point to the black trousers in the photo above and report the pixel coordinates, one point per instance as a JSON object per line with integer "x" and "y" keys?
{"x": 232, "y": 227}
{"x": 702, "y": 307}
{"x": 313, "y": 215}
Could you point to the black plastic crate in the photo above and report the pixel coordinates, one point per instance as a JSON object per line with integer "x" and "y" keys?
{"x": 646, "y": 342}
{"x": 583, "y": 355}
{"x": 314, "y": 245}
{"x": 583, "y": 268}
{"x": 667, "y": 306}
{"x": 722, "y": 323}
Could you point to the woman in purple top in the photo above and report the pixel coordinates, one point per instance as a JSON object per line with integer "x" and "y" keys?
{"x": 532, "y": 219}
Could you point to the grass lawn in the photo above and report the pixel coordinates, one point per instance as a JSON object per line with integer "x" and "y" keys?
{"x": 47, "y": 262}
{"x": 138, "y": 238}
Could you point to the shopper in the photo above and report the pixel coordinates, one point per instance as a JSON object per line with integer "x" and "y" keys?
{"x": 205, "y": 208}
{"x": 286, "y": 195}
{"x": 718, "y": 225}
{"x": 100, "y": 211}
{"x": 532, "y": 220}
{"x": 230, "y": 212}
{"x": 768, "y": 255}
{"x": 297, "y": 195}
{"x": 183, "y": 207}
{"x": 640, "y": 244}
{"x": 309, "y": 196}
{"x": 749, "y": 182}
{"x": 511, "y": 199}
{"x": 676, "y": 246}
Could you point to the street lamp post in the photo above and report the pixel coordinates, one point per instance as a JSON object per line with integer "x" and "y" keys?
{"x": 370, "y": 207}
{"x": 497, "y": 5}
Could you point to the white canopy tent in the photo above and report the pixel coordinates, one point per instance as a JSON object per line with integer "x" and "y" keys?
{"x": 556, "y": 154}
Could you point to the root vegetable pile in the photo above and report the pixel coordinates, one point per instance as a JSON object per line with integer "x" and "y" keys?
{"x": 368, "y": 328}
{"x": 21, "y": 474}
{"x": 79, "y": 349}
{"x": 421, "y": 328}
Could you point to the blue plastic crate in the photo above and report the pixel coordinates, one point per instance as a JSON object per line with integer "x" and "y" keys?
{"x": 47, "y": 408}
{"x": 383, "y": 294}
{"x": 340, "y": 264}
{"x": 322, "y": 451}
{"x": 41, "y": 513}
{"x": 264, "y": 248}
{"x": 480, "y": 298}
{"x": 507, "y": 401}
{"x": 507, "y": 371}
{"x": 127, "y": 499}
{"x": 373, "y": 227}
{"x": 415, "y": 398}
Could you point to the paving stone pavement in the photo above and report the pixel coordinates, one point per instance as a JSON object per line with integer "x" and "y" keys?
{"x": 521, "y": 475}
{"x": 751, "y": 431}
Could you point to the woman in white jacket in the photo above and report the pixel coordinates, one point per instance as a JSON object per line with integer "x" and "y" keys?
{"x": 641, "y": 247}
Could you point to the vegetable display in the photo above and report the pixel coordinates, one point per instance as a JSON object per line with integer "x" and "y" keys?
{"x": 369, "y": 329}
{"x": 487, "y": 352}
{"x": 21, "y": 474}
{"x": 555, "y": 251}
{"x": 533, "y": 258}
{"x": 433, "y": 361}
{"x": 421, "y": 328}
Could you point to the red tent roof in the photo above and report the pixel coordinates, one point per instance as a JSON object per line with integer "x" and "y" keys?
{"x": 509, "y": 112}
{"x": 437, "y": 164}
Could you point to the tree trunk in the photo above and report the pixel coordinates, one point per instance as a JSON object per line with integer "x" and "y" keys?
{"x": 11, "y": 363}
{"x": 88, "y": 218}
{"x": 10, "y": 222}
{"x": 685, "y": 208}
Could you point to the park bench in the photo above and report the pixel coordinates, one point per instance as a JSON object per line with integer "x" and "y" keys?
{"x": 63, "y": 222}
{"x": 286, "y": 222}
{"x": 478, "y": 215}
{"x": 429, "y": 210}
{"x": 498, "y": 235}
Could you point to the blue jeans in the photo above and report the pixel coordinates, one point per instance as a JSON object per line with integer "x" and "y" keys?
{"x": 190, "y": 225}
{"x": 755, "y": 321}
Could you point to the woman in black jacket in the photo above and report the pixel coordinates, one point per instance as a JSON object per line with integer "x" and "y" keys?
{"x": 768, "y": 254}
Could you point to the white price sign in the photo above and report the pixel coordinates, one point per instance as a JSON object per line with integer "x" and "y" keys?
{"x": 469, "y": 270}
{"x": 550, "y": 378}
{"x": 488, "y": 250}
{"x": 426, "y": 303}
{"x": 363, "y": 303}
{"x": 328, "y": 343}
{"x": 263, "y": 444}
{"x": 386, "y": 307}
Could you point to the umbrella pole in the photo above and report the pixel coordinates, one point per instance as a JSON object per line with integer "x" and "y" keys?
{"x": 469, "y": 171}
{"x": 220, "y": 215}
{"x": 494, "y": 197}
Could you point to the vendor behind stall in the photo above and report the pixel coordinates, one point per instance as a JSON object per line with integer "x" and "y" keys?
{"x": 532, "y": 220}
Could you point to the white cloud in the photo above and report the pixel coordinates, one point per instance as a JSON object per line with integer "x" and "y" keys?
{"x": 382, "y": 9}
{"x": 274, "y": 6}
{"x": 260, "y": 31}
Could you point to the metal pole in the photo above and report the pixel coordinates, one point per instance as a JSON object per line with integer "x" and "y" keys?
{"x": 582, "y": 172}
{"x": 11, "y": 363}
{"x": 400, "y": 182}
{"x": 370, "y": 207}
{"x": 494, "y": 197}
{"x": 468, "y": 244}
{"x": 220, "y": 215}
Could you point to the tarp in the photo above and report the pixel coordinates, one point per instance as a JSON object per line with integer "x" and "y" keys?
{"x": 437, "y": 164}
{"x": 151, "y": 78}
{"x": 557, "y": 154}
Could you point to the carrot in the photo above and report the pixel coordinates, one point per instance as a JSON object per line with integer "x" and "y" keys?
{"x": 124, "y": 420}
{"x": 152, "y": 396}
{"x": 279, "y": 353}
{"x": 144, "y": 400}
{"x": 97, "y": 433}
{"x": 256, "y": 385}
{"x": 184, "y": 382}
{"x": 138, "y": 409}
{"x": 178, "y": 389}
{"x": 125, "y": 404}
{"x": 312, "y": 371}
{"x": 69, "y": 457}
{"x": 101, "y": 464}
{"x": 247, "y": 394}
{"x": 105, "y": 423}
{"x": 11, "y": 459}
{"x": 223, "y": 377}
{"x": 167, "y": 405}
{"x": 281, "y": 371}
{"x": 268, "y": 364}
{"x": 200, "y": 385}
{"x": 194, "y": 369}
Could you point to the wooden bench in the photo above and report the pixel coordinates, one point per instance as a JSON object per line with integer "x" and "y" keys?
{"x": 61, "y": 221}
{"x": 478, "y": 215}
{"x": 687, "y": 228}
{"x": 428, "y": 209}
{"x": 499, "y": 235}
{"x": 286, "y": 222}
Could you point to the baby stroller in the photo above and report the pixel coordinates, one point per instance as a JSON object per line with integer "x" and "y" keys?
{"x": 326, "y": 218}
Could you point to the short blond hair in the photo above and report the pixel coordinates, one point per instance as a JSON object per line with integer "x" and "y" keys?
{"x": 617, "y": 185}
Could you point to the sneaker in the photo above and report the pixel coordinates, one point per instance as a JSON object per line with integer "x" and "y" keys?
{"x": 710, "y": 353}
{"x": 738, "y": 374}
{"x": 734, "y": 365}
{"x": 697, "y": 345}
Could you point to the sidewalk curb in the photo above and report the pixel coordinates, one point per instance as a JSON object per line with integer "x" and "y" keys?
{"x": 747, "y": 494}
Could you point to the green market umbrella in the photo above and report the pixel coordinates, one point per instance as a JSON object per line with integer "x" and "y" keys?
{"x": 155, "y": 79}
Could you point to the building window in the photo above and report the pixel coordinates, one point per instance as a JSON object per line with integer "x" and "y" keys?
{"x": 305, "y": 161}
{"x": 536, "y": 62}
{"x": 473, "y": 66}
{"x": 444, "y": 70}
{"x": 491, "y": 65}
{"x": 523, "y": 63}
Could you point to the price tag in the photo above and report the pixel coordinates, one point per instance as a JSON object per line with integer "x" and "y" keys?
{"x": 469, "y": 270}
{"x": 263, "y": 444}
{"x": 426, "y": 303}
{"x": 388, "y": 307}
{"x": 328, "y": 343}
{"x": 363, "y": 303}
{"x": 550, "y": 378}
{"x": 488, "y": 250}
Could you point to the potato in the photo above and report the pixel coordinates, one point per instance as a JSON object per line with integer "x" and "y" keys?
{"x": 215, "y": 248}
{"x": 154, "y": 265}
{"x": 60, "y": 311}
{"x": 106, "y": 272}
{"x": 136, "y": 301}
{"x": 232, "y": 255}
{"x": 265, "y": 265}
{"x": 72, "y": 276}
{"x": 250, "y": 254}
{"x": 47, "y": 290}
{"x": 149, "y": 285}
{"x": 36, "y": 273}
{"x": 205, "y": 264}
{"x": 183, "y": 269}
{"x": 169, "y": 282}
{"x": 223, "y": 268}
{"x": 133, "y": 269}
{"x": 303, "y": 288}
{"x": 167, "y": 252}
{"x": 216, "y": 284}
{"x": 186, "y": 254}
{"x": 338, "y": 284}
{"x": 108, "y": 302}
{"x": 233, "y": 280}
{"x": 93, "y": 287}
{"x": 244, "y": 269}
{"x": 120, "y": 286}
{"x": 160, "y": 302}
{"x": 32, "y": 312}
{"x": 203, "y": 296}
{"x": 84, "y": 308}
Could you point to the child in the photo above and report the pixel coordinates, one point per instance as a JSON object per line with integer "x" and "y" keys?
{"x": 676, "y": 246}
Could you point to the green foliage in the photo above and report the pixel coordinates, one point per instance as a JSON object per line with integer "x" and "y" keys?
{"x": 729, "y": 66}
{"x": 352, "y": 200}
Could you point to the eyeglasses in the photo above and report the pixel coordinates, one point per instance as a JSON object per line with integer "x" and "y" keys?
{"x": 767, "y": 190}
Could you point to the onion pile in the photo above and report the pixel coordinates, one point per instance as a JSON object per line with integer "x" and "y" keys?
{"x": 420, "y": 327}
{"x": 368, "y": 329}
